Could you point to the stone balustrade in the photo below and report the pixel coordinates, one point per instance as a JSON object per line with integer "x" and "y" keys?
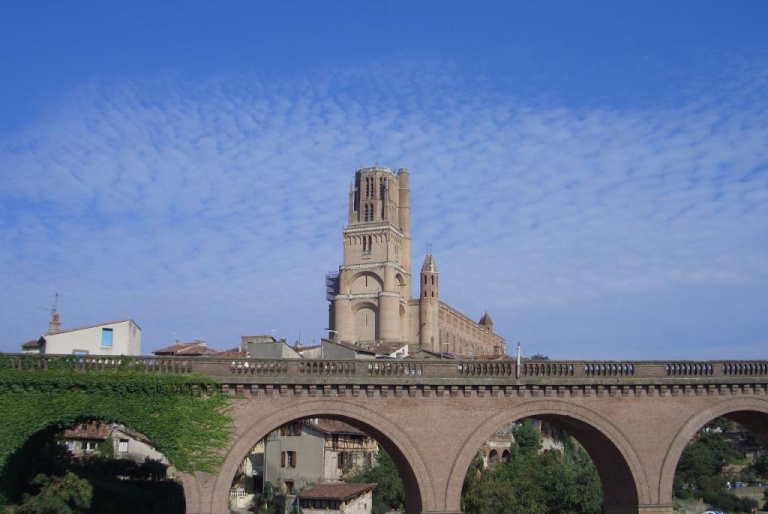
{"x": 242, "y": 370}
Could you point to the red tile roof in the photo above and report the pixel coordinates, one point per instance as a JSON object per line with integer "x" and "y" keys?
{"x": 389, "y": 348}
{"x": 340, "y": 492}
{"x": 331, "y": 426}
{"x": 97, "y": 430}
{"x": 193, "y": 348}
{"x": 35, "y": 343}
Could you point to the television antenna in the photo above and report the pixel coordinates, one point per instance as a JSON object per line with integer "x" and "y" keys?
{"x": 55, "y": 297}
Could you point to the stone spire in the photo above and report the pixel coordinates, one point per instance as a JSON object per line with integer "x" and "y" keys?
{"x": 486, "y": 322}
{"x": 429, "y": 264}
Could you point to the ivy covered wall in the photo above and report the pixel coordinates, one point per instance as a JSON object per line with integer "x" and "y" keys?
{"x": 184, "y": 415}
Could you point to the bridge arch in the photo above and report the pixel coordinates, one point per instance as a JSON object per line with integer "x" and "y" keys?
{"x": 417, "y": 483}
{"x": 625, "y": 484}
{"x": 750, "y": 412}
{"x": 16, "y": 476}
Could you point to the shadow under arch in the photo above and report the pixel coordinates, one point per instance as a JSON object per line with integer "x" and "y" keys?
{"x": 416, "y": 482}
{"x": 623, "y": 478}
{"x": 750, "y": 412}
{"x": 42, "y": 452}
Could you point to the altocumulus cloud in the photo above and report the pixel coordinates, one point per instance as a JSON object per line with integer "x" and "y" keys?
{"x": 211, "y": 210}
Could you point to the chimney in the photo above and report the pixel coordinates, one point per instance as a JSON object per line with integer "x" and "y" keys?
{"x": 54, "y": 327}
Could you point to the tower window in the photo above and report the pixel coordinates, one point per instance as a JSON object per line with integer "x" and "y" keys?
{"x": 433, "y": 280}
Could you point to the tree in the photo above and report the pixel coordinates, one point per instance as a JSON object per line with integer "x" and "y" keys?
{"x": 106, "y": 448}
{"x": 696, "y": 463}
{"x": 66, "y": 494}
{"x": 389, "y": 493}
{"x": 526, "y": 437}
{"x": 534, "y": 482}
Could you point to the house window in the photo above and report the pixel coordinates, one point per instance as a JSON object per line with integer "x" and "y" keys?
{"x": 71, "y": 446}
{"x": 123, "y": 446}
{"x": 106, "y": 337}
{"x": 288, "y": 459}
{"x": 88, "y": 446}
{"x": 342, "y": 460}
{"x": 289, "y": 487}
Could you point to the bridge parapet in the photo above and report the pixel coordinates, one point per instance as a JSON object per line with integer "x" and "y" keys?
{"x": 242, "y": 370}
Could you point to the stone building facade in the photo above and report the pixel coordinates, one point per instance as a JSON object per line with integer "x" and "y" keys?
{"x": 371, "y": 295}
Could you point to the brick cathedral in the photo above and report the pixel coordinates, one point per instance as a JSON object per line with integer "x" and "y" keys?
{"x": 371, "y": 295}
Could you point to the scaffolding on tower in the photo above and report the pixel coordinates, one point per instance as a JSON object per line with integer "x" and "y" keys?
{"x": 331, "y": 285}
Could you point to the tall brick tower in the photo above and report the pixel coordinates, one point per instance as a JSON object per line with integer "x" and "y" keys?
{"x": 374, "y": 282}
{"x": 429, "y": 304}
{"x": 370, "y": 297}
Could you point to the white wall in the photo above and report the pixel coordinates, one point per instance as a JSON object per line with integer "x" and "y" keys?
{"x": 137, "y": 450}
{"x": 126, "y": 340}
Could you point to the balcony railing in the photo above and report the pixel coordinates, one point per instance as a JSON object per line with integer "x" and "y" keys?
{"x": 308, "y": 370}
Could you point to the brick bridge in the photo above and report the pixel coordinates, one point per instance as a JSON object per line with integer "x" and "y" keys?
{"x": 634, "y": 418}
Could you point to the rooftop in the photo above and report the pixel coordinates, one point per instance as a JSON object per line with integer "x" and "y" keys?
{"x": 96, "y": 430}
{"x": 331, "y": 426}
{"x": 191, "y": 348}
{"x": 35, "y": 343}
{"x": 340, "y": 492}
{"x": 116, "y": 322}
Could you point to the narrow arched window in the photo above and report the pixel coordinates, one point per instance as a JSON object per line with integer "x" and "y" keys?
{"x": 365, "y": 244}
{"x": 433, "y": 280}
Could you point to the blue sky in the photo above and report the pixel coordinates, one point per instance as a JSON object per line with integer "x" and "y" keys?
{"x": 594, "y": 175}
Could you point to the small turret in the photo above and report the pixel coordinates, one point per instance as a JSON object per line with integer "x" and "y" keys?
{"x": 486, "y": 322}
{"x": 429, "y": 336}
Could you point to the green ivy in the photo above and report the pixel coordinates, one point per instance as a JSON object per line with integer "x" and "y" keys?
{"x": 185, "y": 416}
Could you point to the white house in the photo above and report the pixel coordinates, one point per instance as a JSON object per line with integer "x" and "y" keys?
{"x": 121, "y": 337}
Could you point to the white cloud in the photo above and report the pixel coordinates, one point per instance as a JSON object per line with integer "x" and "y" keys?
{"x": 213, "y": 210}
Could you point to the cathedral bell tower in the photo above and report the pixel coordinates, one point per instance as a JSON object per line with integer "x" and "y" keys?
{"x": 429, "y": 304}
{"x": 370, "y": 304}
